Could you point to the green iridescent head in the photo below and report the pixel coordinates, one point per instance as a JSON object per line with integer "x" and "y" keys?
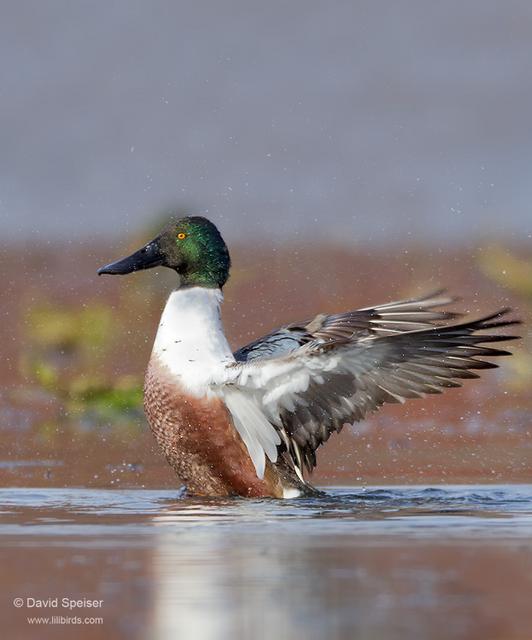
{"x": 192, "y": 246}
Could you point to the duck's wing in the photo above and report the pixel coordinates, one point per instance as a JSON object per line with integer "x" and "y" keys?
{"x": 385, "y": 319}
{"x": 292, "y": 400}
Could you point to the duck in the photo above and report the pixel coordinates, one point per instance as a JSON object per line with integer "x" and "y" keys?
{"x": 249, "y": 423}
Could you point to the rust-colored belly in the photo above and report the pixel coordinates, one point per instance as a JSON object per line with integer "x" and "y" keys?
{"x": 200, "y": 441}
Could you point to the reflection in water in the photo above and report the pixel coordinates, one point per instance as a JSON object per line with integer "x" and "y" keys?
{"x": 452, "y": 562}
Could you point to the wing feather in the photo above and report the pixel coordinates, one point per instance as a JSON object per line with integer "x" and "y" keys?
{"x": 258, "y": 434}
{"x": 290, "y": 390}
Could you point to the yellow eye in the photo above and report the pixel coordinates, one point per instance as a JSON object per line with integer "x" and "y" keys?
{"x": 181, "y": 236}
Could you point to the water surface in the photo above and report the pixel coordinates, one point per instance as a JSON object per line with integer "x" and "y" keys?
{"x": 385, "y": 562}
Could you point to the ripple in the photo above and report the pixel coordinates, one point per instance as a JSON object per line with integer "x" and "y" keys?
{"x": 447, "y": 512}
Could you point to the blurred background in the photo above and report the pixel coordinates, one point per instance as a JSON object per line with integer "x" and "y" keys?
{"x": 351, "y": 153}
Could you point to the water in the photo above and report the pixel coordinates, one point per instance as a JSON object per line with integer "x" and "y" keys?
{"x": 387, "y": 562}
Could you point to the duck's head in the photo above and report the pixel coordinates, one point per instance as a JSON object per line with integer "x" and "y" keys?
{"x": 192, "y": 246}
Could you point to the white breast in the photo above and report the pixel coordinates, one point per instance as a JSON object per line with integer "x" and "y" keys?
{"x": 190, "y": 340}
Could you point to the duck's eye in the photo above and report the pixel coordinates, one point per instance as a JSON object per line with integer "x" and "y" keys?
{"x": 181, "y": 236}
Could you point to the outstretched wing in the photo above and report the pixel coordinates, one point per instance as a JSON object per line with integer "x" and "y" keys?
{"x": 385, "y": 319}
{"x": 346, "y": 366}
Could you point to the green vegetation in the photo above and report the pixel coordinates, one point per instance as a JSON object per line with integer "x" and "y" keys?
{"x": 515, "y": 274}
{"x": 64, "y": 355}
{"x": 507, "y": 269}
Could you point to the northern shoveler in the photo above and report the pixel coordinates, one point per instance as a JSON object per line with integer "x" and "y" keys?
{"x": 247, "y": 423}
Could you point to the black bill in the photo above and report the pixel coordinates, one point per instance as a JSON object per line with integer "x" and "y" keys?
{"x": 149, "y": 256}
